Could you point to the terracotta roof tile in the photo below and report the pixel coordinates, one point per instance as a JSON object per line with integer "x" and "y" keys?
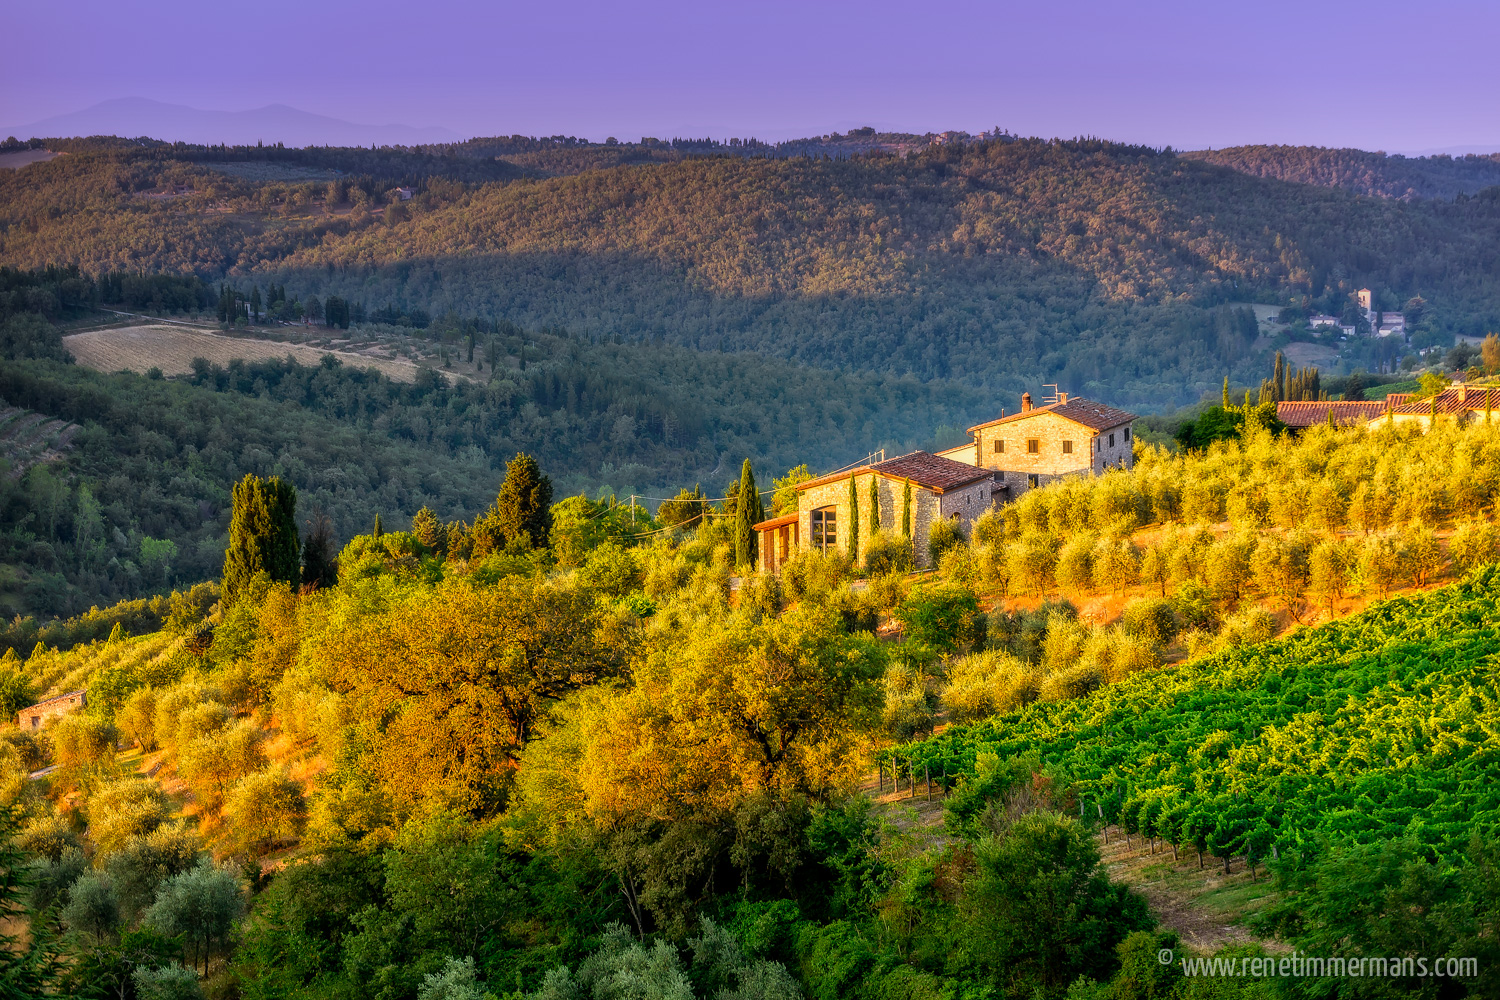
{"x": 1095, "y": 416}
{"x": 1313, "y": 412}
{"x": 929, "y": 471}
{"x": 776, "y": 522}
{"x": 1455, "y": 399}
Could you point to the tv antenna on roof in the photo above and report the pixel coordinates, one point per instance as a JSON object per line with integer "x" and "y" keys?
{"x": 1052, "y": 398}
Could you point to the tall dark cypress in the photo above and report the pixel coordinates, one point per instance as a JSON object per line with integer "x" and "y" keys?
{"x": 747, "y": 513}
{"x": 1280, "y": 377}
{"x": 853, "y": 546}
{"x": 262, "y": 535}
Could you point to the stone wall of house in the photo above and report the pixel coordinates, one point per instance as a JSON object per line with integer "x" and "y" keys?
{"x": 925, "y": 507}
{"x": 1092, "y": 452}
{"x": 36, "y": 716}
{"x": 966, "y": 504}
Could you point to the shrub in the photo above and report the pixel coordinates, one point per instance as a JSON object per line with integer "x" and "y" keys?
{"x": 886, "y": 553}
{"x": 92, "y": 907}
{"x": 1474, "y": 544}
{"x": 943, "y": 617}
{"x": 611, "y": 569}
{"x": 760, "y": 595}
{"x": 169, "y": 982}
{"x": 989, "y": 528}
{"x": 137, "y": 718}
{"x": 123, "y": 810}
{"x": 942, "y": 535}
{"x": 987, "y": 683}
{"x": 908, "y": 708}
{"x": 1248, "y": 627}
{"x": 1151, "y": 619}
{"x": 1075, "y": 565}
{"x": 811, "y": 575}
{"x": 264, "y": 809}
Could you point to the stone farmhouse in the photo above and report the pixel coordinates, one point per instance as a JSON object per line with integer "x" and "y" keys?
{"x": 37, "y": 715}
{"x": 1004, "y": 458}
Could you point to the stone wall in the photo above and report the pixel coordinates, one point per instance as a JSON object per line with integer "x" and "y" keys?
{"x": 966, "y": 504}
{"x": 1092, "y": 452}
{"x": 37, "y": 715}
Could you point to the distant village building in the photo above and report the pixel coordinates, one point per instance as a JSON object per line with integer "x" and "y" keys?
{"x": 1382, "y": 324}
{"x": 1005, "y": 458}
{"x": 35, "y": 716}
{"x": 402, "y": 193}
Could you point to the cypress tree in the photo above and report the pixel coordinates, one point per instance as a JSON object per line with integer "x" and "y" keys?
{"x": 1225, "y": 404}
{"x": 906, "y": 510}
{"x": 747, "y": 513}
{"x": 320, "y": 564}
{"x": 376, "y": 532}
{"x": 255, "y": 304}
{"x": 853, "y": 520}
{"x": 1280, "y": 378}
{"x": 874, "y": 504}
{"x": 524, "y": 505}
{"x": 262, "y": 535}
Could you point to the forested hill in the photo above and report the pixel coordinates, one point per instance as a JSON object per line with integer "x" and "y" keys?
{"x": 1102, "y": 267}
{"x": 1362, "y": 172}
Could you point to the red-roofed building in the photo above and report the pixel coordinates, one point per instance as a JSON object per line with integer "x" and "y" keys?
{"x": 1004, "y": 458}
{"x": 825, "y": 520}
{"x": 1345, "y": 413}
{"x": 1042, "y": 444}
{"x": 1461, "y": 403}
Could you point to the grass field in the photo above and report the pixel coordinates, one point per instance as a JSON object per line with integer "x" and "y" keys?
{"x": 173, "y": 348}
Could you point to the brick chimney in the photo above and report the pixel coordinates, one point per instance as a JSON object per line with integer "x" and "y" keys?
{"x": 1025, "y": 402}
{"x": 1062, "y": 397}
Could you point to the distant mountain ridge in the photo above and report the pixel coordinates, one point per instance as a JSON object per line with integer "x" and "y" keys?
{"x": 139, "y": 116}
{"x": 1375, "y": 174}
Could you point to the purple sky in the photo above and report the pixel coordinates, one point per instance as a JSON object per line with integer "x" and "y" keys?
{"x": 1374, "y": 74}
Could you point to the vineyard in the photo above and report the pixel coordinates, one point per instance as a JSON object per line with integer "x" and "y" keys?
{"x": 27, "y": 437}
{"x": 1382, "y": 725}
{"x": 173, "y": 348}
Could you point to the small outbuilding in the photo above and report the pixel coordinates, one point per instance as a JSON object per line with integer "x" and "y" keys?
{"x": 37, "y": 715}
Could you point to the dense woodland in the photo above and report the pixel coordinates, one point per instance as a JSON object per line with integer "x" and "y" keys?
{"x": 1102, "y": 267}
{"x": 549, "y": 753}
{"x": 1375, "y": 174}
{"x": 138, "y": 501}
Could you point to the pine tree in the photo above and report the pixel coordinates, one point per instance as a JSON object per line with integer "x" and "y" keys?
{"x": 874, "y": 504}
{"x": 747, "y": 513}
{"x": 853, "y": 520}
{"x": 428, "y": 530}
{"x": 262, "y": 535}
{"x": 524, "y": 505}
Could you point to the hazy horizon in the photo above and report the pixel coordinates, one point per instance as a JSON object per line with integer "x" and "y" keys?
{"x": 1338, "y": 74}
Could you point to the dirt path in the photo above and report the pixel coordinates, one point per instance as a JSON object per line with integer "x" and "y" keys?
{"x": 1207, "y": 909}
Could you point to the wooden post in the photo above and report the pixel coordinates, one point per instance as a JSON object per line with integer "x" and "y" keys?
{"x": 879, "y": 776}
{"x": 927, "y": 773}
{"x": 945, "y": 779}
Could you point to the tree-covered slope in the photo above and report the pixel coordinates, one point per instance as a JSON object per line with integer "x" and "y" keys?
{"x": 1099, "y": 266}
{"x": 1378, "y": 726}
{"x": 1362, "y": 172}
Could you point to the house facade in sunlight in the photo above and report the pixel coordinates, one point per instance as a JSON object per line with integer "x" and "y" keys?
{"x": 1003, "y": 459}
